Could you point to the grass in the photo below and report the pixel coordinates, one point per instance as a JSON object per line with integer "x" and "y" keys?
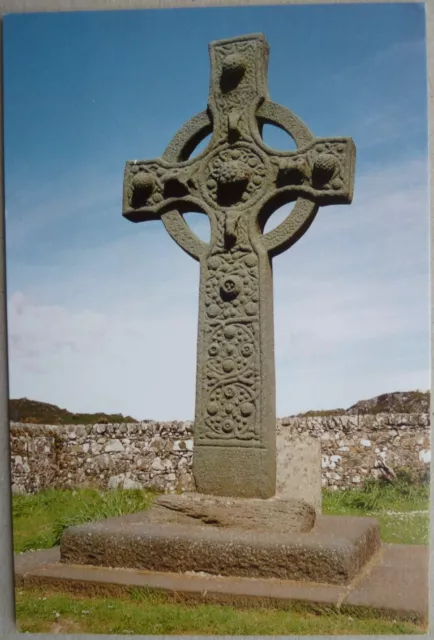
{"x": 39, "y": 521}
{"x": 401, "y": 508}
{"x": 149, "y": 613}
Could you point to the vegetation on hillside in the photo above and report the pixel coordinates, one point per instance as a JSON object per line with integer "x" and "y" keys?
{"x": 397, "y": 402}
{"x": 34, "y": 412}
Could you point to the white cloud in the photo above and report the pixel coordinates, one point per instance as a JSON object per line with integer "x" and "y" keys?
{"x": 88, "y": 360}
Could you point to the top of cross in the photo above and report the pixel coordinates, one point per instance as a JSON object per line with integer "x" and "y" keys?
{"x": 238, "y": 84}
{"x": 237, "y": 180}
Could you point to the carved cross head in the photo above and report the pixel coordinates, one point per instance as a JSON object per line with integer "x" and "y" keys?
{"x": 238, "y": 181}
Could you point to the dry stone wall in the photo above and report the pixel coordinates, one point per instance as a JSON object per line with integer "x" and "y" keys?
{"x": 159, "y": 454}
{"x": 357, "y": 447}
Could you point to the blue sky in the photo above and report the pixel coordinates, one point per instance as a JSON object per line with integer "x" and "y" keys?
{"x": 102, "y": 312}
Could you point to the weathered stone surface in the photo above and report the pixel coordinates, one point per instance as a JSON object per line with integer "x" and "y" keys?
{"x": 333, "y": 552}
{"x": 238, "y": 182}
{"x": 220, "y": 475}
{"x": 274, "y": 515}
{"x": 114, "y": 445}
{"x": 299, "y": 467}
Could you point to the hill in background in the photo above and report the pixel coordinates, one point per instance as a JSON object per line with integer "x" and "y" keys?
{"x": 34, "y": 412}
{"x": 397, "y": 402}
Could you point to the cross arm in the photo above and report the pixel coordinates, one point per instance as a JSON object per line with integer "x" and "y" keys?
{"x": 157, "y": 189}
{"x": 152, "y": 187}
{"x": 322, "y": 171}
{"x": 319, "y": 173}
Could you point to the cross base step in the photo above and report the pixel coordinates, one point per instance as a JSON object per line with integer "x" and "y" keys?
{"x": 228, "y": 537}
{"x": 394, "y": 584}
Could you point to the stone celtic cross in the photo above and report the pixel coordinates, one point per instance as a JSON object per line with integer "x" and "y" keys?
{"x": 238, "y": 182}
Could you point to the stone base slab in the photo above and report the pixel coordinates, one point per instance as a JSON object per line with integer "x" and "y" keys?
{"x": 393, "y": 584}
{"x": 333, "y": 551}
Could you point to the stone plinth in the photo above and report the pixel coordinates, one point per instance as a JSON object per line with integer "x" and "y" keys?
{"x": 243, "y": 538}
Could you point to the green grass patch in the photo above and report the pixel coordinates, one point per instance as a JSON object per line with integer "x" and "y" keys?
{"x": 401, "y": 508}
{"x": 39, "y": 520}
{"x": 381, "y": 495}
{"x": 149, "y": 613}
